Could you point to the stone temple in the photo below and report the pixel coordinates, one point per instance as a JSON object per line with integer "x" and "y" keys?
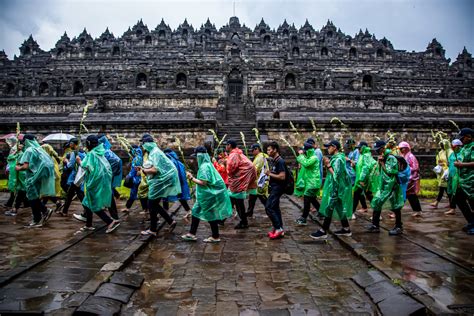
{"x": 181, "y": 83}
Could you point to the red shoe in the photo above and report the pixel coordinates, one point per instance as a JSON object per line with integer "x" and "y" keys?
{"x": 278, "y": 234}
{"x": 270, "y": 233}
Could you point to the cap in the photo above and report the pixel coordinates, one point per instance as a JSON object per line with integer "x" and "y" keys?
{"x": 232, "y": 143}
{"x": 199, "y": 149}
{"x": 334, "y": 143}
{"x": 92, "y": 141}
{"x": 379, "y": 144}
{"x": 307, "y": 146}
{"x": 456, "y": 142}
{"x": 255, "y": 146}
{"x": 362, "y": 144}
{"x": 350, "y": 141}
{"x": 147, "y": 138}
{"x": 404, "y": 145}
{"x": 463, "y": 132}
{"x": 311, "y": 141}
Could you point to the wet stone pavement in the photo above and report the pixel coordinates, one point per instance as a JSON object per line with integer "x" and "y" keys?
{"x": 248, "y": 274}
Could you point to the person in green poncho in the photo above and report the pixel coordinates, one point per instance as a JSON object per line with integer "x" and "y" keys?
{"x": 39, "y": 181}
{"x": 389, "y": 191}
{"x": 97, "y": 179}
{"x": 308, "y": 182}
{"x": 464, "y": 196}
{"x": 261, "y": 192}
{"x": 163, "y": 182}
{"x": 364, "y": 177}
{"x": 212, "y": 198}
{"x": 337, "y": 193}
{"x": 16, "y": 179}
{"x": 453, "y": 178}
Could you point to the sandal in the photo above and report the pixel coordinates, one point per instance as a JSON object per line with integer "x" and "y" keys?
{"x": 148, "y": 233}
{"x": 87, "y": 229}
{"x": 451, "y": 211}
{"x": 113, "y": 226}
{"x": 212, "y": 240}
{"x": 188, "y": 237}
{"x": 172, "y": 226}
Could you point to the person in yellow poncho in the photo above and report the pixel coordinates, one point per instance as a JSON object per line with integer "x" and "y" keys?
{"x": 261, "y": 192}
{"x": 57, "y": 177}
{"x": 39, "y": 179}
{"x": 442, "y": 170}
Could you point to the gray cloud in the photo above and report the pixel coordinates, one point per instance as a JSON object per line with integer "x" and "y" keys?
{"x": 409, "y": 24}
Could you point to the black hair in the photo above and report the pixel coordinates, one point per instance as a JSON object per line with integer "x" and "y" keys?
{"x": 274, "y": 145}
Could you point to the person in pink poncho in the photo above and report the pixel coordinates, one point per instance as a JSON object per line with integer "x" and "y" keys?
{"x": 414, "y": 183}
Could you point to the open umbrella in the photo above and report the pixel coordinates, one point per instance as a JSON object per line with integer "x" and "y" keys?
{"x": 57, "y": 138}
{"x": 6, "y": 136}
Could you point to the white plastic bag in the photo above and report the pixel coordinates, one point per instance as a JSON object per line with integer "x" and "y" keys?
{"x": 79, "y": 179}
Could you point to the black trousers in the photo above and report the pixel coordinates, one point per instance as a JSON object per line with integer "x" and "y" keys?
{"x": 272, "y": 208}
{"x": 441, "y": 192}
{"x": 113, "y": 207}
{"x": 102, "y": 214}
{"x": 20, "y": 198}
{"x": 359, "y": 197}
{"x": 73, "y": 190}
{"x": 144, "y": 203}
{"x": 195, "y": 224}
{"x": 38, "y": 209}
{"x": 154, "y": 208}
{"x": 464, "y": 204}
{"x": 240, "y": 206}
{"x": 307, "y": 201}
{"x": 414, "y": 202}
{"x": 253, "y": 199}
{"x": 184, "y": 204}
{"x": 328, "y": 219}
{"x": 398, "y": 218}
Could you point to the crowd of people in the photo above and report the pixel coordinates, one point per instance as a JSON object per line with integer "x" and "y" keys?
{"x": 332, "y": 186}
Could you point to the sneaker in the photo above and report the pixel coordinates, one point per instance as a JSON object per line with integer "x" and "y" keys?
{"x": 319, "y": 235}
{"x": 270, "y": 233}
{"x": 241, "y": 226}
{"x": 147, "y": 233}
{"x": 80, "y": 217}
{"x": 212, "y": 240}
{"x": 279, "y": 233}
{"x": 47, "y": 215}
{"x": 33, "y": 224}
{"x": 188, "y": 237}
{"x": 470, "y": 231}
{"x": 372, "y": 229}
{"x": 301, "y": 221}
{"x": 10, "y": 213}
{"x": 87, "y": 229}
{"x": 343, "y": 232}
{"x": 395, "y": 231}
{"x": 59, "y": 207}
{"x": 112, "y": 227}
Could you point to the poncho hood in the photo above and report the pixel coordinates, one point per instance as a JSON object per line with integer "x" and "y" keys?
{"x": 105, "y": 141}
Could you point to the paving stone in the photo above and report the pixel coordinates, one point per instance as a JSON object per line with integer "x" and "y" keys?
{"x": 399, "y": 305}
{"x": 227, "y": 309}
{"x": 128, "y": 279}
{"x": 382, "y": 290}
{"x": 167, "y": 310}
{"x": 75, "y": 300}
{"x": 281, "y": 257}
{"x": 274, "y": 312}
{"x": 95, "y": 305}
{"x": 11, "y": 306}
{"x": 413, "y": 289}
{"x": 366, "y": 278}
{"x": 115, "y": 291}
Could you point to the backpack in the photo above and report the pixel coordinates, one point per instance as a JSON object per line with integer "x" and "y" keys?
{"x": 289, "y": 181}
{"x": 402, "y": 176}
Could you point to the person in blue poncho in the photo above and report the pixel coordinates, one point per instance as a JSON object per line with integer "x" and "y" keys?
{"x": 116, "y": 164}
{"x": 134, "y": 175}
{"x": 185, "y": 195}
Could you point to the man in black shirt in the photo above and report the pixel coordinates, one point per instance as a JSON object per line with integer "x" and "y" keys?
{"x": 277, "y": 175}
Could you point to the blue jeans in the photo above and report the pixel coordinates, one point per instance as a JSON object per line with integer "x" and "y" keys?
{"x": 273, "y": 207}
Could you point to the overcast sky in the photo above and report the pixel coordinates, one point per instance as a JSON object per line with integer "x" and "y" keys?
{"x": 408, "y": 24}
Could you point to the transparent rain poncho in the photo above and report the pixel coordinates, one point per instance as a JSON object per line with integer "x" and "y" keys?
{"x": 308, "y": 182}
{"x": 98, "y": 176}
{"x": 39, "y": 180}
{"x": 261, "y": 164}
{"x": 16, "y": 179}
{"x": 442, "y": 160}
{"x": 241, "y": 173}
{"x": 389, "y": 194}
{"x": 365, "y": 168}
{"x": 212, "y": 200}
{"x": 143, "y": 186}
{"x": 337, "y": 190}
{"x": 165, "y": 182}
{"x": 57, "y": 174}
{"x": 115, "y": 162}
